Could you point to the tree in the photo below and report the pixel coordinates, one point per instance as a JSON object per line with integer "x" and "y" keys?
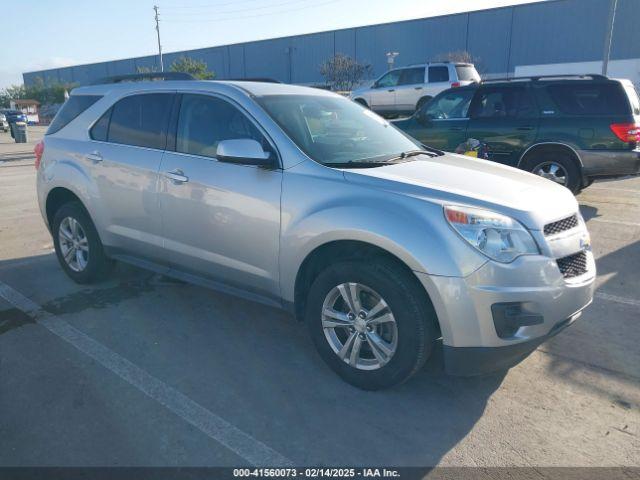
{"x": 38, "y": 90}
{"x": 197, "y": 68}
{"x": 461, "y": 56}
{"x": 343, "y": 73}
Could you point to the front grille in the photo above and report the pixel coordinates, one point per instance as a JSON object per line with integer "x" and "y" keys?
{"x": 561, "y": 225}
{"x": 573, "y": 265}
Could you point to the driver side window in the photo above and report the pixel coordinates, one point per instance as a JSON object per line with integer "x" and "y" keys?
{"x": 451, "y": 105}
{"x": 389, "y": 80}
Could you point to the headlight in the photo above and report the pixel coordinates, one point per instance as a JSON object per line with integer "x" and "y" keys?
{"x": 499, "y": 237}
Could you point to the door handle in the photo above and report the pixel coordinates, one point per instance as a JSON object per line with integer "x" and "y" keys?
{"x": 94, "y": 156}
{"x": 417, "y": 88}
{"x": 391, "y": 90}
{"x": 177, "y": 176}
{"x": 525, "y": 128}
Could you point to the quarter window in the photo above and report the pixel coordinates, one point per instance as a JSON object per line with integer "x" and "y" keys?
{"x": 438, "y": 74}
{"x": 141, "y": 120}
{"x": 590, "y": 99}
{"x": 204, "y": 121}
{"x": 100, "y": 129}
{"x": 70, "y": 110}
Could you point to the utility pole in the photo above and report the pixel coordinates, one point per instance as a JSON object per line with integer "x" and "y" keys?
{"x": 155, "y": 7}
{"x": 608, "y": 39}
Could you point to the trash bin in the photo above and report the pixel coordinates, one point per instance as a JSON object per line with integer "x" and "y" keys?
{"x": 20, "y": 132}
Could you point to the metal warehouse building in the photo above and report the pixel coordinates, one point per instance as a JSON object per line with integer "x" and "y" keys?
{"x": 558, "y": 36}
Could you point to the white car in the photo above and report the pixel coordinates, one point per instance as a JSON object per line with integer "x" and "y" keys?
{"x": 402, "y": 91}
{"x": 4, "y": 123}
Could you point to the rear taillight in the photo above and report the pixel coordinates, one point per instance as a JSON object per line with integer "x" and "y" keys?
{"x": 38, "y": 150}
{"x": 627, "y": 132}
{"x": 455, "y": 84}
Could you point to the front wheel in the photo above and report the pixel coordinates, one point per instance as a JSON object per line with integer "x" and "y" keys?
{"x": 78, "y": 246}
{"x": 371, "y": 323}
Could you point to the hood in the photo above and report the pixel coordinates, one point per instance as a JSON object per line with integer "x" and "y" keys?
{"x": 460, "y": 180}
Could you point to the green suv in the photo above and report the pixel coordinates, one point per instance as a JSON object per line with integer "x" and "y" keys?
{"x": 569, "y": 129}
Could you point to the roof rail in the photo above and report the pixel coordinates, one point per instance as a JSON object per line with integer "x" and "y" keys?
{"x": 143, "y": 76}
{"x": 535, "y": 78}
{"x": 251, "y": 79}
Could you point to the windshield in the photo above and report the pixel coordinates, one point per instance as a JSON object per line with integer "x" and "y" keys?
{"x": 334, "y": 130}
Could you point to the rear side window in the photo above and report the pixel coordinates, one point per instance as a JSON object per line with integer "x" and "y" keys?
{"x": 70, "y": 110}
{"x": 411, "y": 76}
{"x": 141, "y": 120}
{"x": 467, "y": 73}
{"x": 589, "y": 99}
{"x": 439, "y": 74}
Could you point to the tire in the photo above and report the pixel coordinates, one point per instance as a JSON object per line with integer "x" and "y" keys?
{"x": 555, "y": 166}
{"x": 421, "y": 102}
{"x": 415, "y": 323}
{"x": 92, "y": 265}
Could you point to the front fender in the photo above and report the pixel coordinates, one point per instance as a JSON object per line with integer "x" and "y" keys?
{"x": 318, "y": 211}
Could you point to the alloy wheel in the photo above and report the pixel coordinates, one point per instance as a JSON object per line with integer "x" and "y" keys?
{"x": 74, "y": 245}
{"x": 552, "y": 171}
{"x": 359, "y": 326}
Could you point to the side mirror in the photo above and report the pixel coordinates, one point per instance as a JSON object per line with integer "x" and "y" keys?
{"x": 243, "y": 151}
{"x": 423, "y": 118}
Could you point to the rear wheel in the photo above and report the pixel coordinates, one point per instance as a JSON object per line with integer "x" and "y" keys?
{"x": 370, "y": 323}
{"x": 557, "y": 167}
{"x": 78, "y": 246}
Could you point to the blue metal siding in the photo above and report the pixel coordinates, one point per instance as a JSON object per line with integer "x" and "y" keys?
{"x": 554, "y": 31}
{"x": 488, "y": 33}
{"x": 563, "y": 31}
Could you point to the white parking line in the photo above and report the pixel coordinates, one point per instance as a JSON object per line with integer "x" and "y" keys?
{"x": 615, "y": 298}
{"x": 252, "y": 450}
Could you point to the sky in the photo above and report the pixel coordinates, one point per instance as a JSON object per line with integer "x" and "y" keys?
{"x": 43, "y": 34}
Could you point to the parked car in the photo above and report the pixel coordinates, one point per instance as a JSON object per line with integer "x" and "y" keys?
{"x": 301, "y": 199}
{"x": 4, "y": 123}
{"x": 569, "y": 129}
{"x": 403, "y": 90}
{"x": 13, "y": 116}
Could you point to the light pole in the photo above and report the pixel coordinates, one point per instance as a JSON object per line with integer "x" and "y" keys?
{"x": 608, "y": 39}
{"x": 391, "y": 57}
{"x": 155, "y": 7}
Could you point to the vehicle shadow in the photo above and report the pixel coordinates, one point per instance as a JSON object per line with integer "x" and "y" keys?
{"x": 256, "y": 367}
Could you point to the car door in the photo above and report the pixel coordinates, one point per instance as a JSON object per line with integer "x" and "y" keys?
{"x": 410, "y": 88}
{"x": 124, "y": 155}
{"x": 442, "y": 122}
{"x": 383, "y": 93}
{"x": 504, "y": 118}
{"x": 220, "y": 220}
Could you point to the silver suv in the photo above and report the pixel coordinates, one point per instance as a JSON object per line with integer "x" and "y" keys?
{"x": 301, "y": 199}
{"x": 402, "y": 91}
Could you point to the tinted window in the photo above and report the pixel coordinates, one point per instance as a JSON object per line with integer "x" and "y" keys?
{"x": 101, "y": 127}
{"x": 499, "y": 102}
{"x": 411, "y": 76}
{"x": 439, "y": 74}
{"x": 453, "y": 104}
{"x": 204, "y": 121}
{"x": 70, "y": 110}
{"x": 467, "y": 73}
{"x": 141, "y": 120}
{"x": 589, "y": 98}
{"x": 389, "y": 80}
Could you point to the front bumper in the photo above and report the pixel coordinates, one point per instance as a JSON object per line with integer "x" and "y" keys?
{"x": 472, "y": 343}
{"x": 610, "y": 163}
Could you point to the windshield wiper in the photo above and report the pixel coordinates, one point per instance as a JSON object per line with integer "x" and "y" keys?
{"x": 408, "y": 154}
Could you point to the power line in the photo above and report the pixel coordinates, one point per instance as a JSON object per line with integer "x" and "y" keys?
{"x": 224, "y": 12}
{"x": 242, "y": 17}
{"x": 208, "y": 5}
